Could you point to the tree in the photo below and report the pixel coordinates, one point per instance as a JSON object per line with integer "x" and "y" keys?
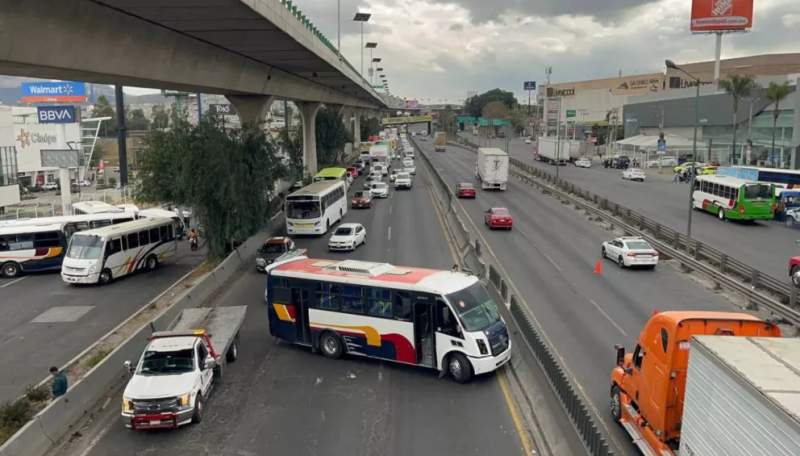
{"x": 102, "y": 108}
{"x": 519, "y": 119}
{"x": 369, "y": 126}
{"x": 495, "y": 110}
{"x": 137, "y": 120}
{"x": 160, "y": 117}
{"x": 226, "y": 176}
{"x": 331, "y": 137}
{"x": 474, "y": 105}
{"x": 738, "y": 87}
{"x": 448, "y": 121}
{"x": 293, "y": 147}
{"x": 776, "y": 93}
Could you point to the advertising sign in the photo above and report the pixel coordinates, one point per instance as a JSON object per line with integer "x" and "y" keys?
{"x": 223, "y": 109}
{"x": 405, "y": 120}
{"x": 55, "y": 114}
{"x": 661, "y": 144}
{"x": 53, "y": 92}
{"x": 721, "y": 15}
{"x": 31, "y": 139}
{"x": 570, "y": 113}
{"x": 529, "y": 85}
{"x": 412, "y": 104}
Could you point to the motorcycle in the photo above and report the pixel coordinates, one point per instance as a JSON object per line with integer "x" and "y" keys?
{"x": 193, "y": 243}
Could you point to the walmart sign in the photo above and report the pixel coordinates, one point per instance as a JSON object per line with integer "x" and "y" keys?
{"x": 48, "y": 91}
{"x": 56, "y": 114}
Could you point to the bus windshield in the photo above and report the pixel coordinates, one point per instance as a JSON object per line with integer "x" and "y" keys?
{"x": 474, "y": 307}
{"x": 85, "y": 247}
{"x": 757, "y": 191}
{"x": 302, "y": 209}
{"x": 167, "y": 362}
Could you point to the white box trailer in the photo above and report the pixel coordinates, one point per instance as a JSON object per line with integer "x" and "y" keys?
{"x": 561, "y": 152}
{"x": 742, "y": 397}
{"x": 492, "y": 168}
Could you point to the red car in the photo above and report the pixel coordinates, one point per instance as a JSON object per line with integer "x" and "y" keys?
{"x": 361, "y": 200}
{"x": 353, "y": 171}
{"x": 794, "y": 270}
{"x": 465, "y": 190}
{"x": 498, "y": 217}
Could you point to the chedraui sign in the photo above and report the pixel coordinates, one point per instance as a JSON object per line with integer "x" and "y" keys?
{"x": 406, "y": 120}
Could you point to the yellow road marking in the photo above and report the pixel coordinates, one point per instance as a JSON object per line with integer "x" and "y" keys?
{"x": 524, "y": 437}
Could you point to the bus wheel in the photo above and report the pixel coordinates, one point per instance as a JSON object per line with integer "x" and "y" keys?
{"x": 796, "y": 276}
{"x": 330, "y": 345}
{"x": 105, "y": 277}
{"x": 152, "y": 262}
{"x": 721, "y": 214}
{"x": 459, "y": 368}
{"x": 10, "y": 269}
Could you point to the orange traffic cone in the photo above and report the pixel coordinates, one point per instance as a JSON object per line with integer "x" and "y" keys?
{"x": 598, "y": 267}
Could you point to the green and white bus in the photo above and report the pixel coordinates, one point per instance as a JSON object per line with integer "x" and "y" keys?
{"x": 733, "y": 198}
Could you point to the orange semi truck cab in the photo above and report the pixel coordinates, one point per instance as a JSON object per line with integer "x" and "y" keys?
{"x": 648, "y": 385}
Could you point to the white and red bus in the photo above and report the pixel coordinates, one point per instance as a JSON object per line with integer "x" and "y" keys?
{"x": 437, "y": 319}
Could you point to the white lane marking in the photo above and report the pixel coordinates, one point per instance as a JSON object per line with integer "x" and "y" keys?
{"x": 597, "y": 306}
{"x": 552, "y": 261}
{"x": 389, "y": 234}
{"x": 93, "y": 443}
{"x": 390, "y": 210}
{"x": 13, "y": 282}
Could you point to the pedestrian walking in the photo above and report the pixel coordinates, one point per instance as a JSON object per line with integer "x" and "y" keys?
{"x": 59, "y": 382}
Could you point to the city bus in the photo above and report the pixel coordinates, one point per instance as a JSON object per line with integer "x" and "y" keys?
{"x": 73, "y": 223}
{"x": 104, "y": 254}
{"x": 31, "y": 248}
{"x": 733, "y": 198}
{"x": 316, "y": 207}
{"x": 441, "y": 320}
{"x": 96, "y": 207}
{"x": 328, "y": 174}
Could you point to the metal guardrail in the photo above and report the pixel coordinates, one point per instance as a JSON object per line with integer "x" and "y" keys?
{"x": 761, "y": 290}
{"x": 470, "y": 254}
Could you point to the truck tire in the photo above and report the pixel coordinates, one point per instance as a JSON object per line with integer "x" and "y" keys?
{"x": 615, "y": 404}
{"x": 331, "y": 345}
{"x": 233, "y": 352}
{"x": 796, "y": 276}
{"x": 197, "y": 416}
{"x": 459, "y": 367}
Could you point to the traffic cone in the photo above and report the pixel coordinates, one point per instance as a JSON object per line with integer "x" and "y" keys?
{"x": 598, "y": 267}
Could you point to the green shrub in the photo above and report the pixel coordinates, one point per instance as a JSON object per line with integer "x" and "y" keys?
{"x": 37, "y": 393}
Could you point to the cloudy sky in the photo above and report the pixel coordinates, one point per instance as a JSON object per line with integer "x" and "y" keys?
{"x": 442, "y": 49}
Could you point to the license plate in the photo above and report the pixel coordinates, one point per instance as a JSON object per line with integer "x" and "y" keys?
{"x": 155, "y": 422}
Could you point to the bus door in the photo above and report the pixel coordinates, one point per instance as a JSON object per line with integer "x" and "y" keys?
{"x": 423, "y": 331}
{"x": 448, "y": 333}
{"x": 300, "y": 301}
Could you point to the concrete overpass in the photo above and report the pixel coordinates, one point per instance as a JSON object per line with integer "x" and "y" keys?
{"x": 252, "y": 51}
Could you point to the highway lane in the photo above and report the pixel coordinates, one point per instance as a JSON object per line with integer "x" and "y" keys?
{"x": 550, "y": 255}
{"x": 76, "y": 317}
{"x": 280, "y": 399}
{"x": 764, "y": 245}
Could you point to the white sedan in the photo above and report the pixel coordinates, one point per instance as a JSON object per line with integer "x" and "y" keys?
{"x": 379, "y": 190}
{"x": 630, "y": 251}
{"x": 583, "y": 162}
{"x": 634, "y": 174}
{"x": 347, "y": 237}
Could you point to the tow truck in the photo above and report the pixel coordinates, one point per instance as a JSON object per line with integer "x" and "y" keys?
{"x": 178, "y": 368}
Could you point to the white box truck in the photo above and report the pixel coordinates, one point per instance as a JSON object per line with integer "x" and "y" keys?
{"x": 492, "y": 168}
{"x": 742, "y": 397}
{"x": 559, "y": 153}
{"x": 440, "y": 142}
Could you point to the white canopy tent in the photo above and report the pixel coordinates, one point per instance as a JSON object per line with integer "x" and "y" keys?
{"x": 643, "y": 147}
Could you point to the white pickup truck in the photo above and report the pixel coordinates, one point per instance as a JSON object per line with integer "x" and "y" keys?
{"x": 178, "y": 369}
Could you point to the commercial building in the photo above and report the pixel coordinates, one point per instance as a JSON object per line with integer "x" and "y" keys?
{"x": 31, "y": 137}
{"x": 616, "y": 100}
{"x": 9, "y": 190}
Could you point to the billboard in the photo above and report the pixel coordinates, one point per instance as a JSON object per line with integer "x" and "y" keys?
{"x": 56, "y": 114}
{"x": 31, "y": 139}
{"x": 529, "y": 85}
{"x": 53, "y": 92}
{"x": 412, "y": 104}
{"x": 721, "y": 15}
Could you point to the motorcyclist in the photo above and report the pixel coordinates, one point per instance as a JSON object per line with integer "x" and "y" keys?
{"x": 193, "y": 238}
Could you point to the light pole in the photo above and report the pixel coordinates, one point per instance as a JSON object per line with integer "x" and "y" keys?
{"x": 671, "y": 65}
{"x": 362, "y": 17}
{"x": 339, "y": 26}
{"x": 372, "y": 66}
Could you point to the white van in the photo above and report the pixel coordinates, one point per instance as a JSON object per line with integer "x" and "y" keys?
{"x": 379, "y": 168}
{"x": 103, "y": 254}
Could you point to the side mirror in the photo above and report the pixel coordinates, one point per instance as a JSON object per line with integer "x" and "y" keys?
{"x": 210, "y": 363}
{"x": 620, "y": 354}
{"x": 128, "y": 366}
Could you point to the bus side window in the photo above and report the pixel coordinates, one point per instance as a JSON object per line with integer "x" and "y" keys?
{"x": 3, "y": 244}
{"x": 445, "y": 321}
{"x": 144, "y": 238}
{"x": 133, "y": 240}
{"x": 402, "y": 306}
{"x": 697, "y": 185}
{"x": 113, "y": 246}
{"x": 46, "y": 239}
{"x": 164, "y": 231}
{"x": 379, "y": 303}
{"x": 154, "y": 235}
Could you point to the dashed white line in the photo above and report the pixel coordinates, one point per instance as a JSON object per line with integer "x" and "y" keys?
{"x": 552, "y": 261}
{"x": 389, "y": 234}
{"x": 13, "y": 282}
{"x": 608, "y": 317}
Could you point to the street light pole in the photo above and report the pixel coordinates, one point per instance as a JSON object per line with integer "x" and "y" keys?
{"x": 671, "y": 64}
{"x": 362, "y": 17}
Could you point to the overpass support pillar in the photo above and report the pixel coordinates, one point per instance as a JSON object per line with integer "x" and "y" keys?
{"x": 252, "y": 109}
{"x": 308, "y": 113}
{"x": 356, "y": 130}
